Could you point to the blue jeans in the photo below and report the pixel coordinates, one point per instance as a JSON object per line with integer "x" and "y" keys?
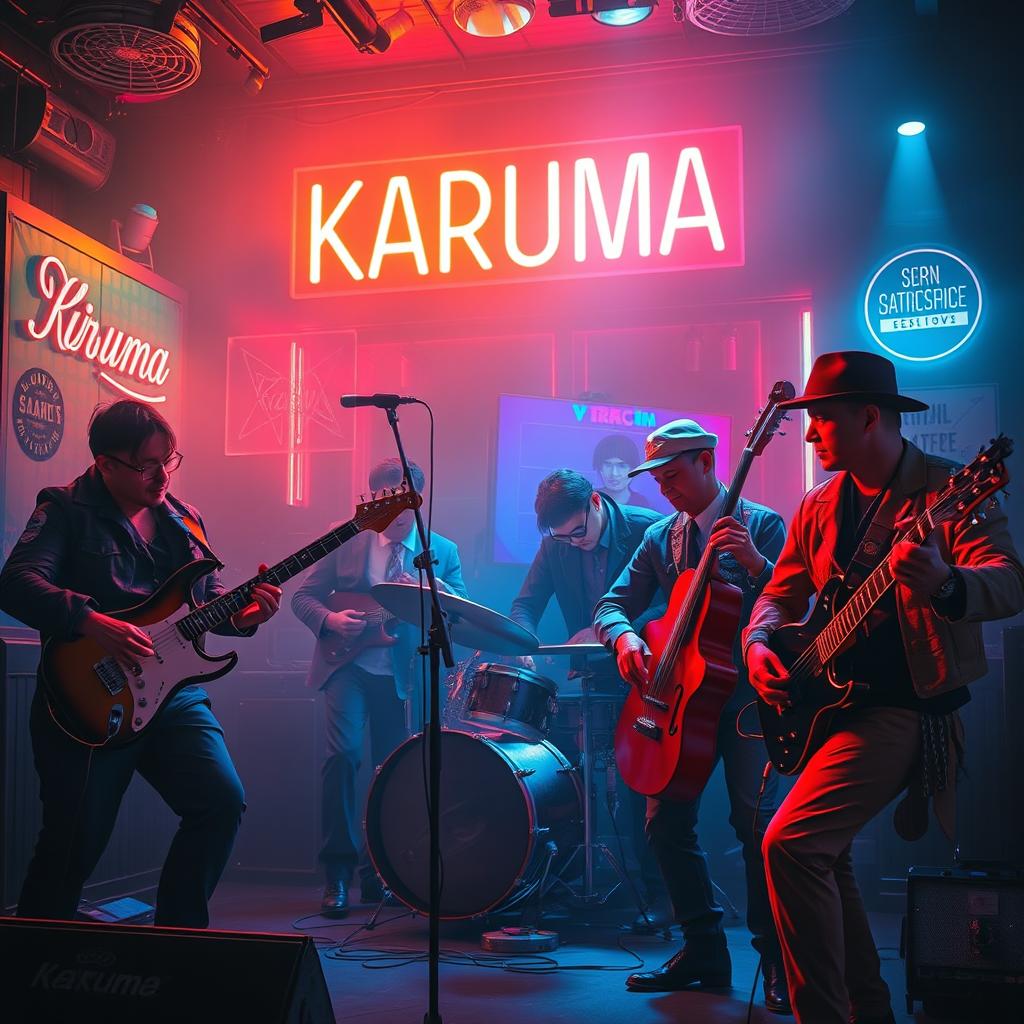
{"x": 182, "y": 755}
{"x": 353, "y": 698}
{"x": 672, "y": 833}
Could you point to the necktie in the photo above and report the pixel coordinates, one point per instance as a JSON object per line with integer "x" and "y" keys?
{"x": 395, "y": 566}
{"x": 692, "y": 544}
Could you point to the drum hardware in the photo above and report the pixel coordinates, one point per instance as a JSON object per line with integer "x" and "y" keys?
{"x": 590, "y": 895}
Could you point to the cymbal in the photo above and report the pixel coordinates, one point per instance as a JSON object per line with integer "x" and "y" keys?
{"x": 472, "y": 625}
{"x": 584, "y": 648}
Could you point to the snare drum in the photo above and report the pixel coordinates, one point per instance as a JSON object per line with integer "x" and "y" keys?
{"x": 511, "y": 699}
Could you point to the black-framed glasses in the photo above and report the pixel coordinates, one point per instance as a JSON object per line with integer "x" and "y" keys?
{"x": 148, "y": 473}
{"x": 576, "y": 534}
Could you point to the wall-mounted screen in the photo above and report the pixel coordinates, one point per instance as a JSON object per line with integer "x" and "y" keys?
{"x": 539, "y": 435}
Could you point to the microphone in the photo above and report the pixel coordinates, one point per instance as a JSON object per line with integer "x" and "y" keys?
{"x": 378, "y": 401}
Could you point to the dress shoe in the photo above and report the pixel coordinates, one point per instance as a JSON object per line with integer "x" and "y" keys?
{"x": 335, "y": 900}
{"x": 656, "y": 918}
{"x": 776, "y": 992}
{"x": 887, "y": 1018}
{"x": 703, "y": 960}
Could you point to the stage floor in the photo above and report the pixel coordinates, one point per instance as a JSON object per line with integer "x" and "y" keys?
{"x": 381, "y": 975}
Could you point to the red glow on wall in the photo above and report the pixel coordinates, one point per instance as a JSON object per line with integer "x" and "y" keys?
{"x": 640, "y": 204}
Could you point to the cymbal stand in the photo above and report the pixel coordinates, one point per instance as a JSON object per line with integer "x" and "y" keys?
{"x": 590, "y": 895}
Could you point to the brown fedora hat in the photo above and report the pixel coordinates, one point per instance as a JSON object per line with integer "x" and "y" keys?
{"x": 854, "y": 377}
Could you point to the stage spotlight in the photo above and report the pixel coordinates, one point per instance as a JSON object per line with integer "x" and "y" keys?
{"x": 911, "y": 128}
{"x": 254, "y": 82}
{"x": 623, "y": 16}
{"x": 493, "y": 18}
{"x": 133, "y": 236}
{"x": 608, "y": 12}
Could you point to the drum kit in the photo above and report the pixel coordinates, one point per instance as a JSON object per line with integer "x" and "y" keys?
{"x": 516, "y": 815}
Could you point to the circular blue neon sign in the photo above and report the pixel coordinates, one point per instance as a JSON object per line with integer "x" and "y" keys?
{"x": 923, "y": 304}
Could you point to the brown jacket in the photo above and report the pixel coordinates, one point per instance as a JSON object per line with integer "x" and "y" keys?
{"x": 942, "y": 654}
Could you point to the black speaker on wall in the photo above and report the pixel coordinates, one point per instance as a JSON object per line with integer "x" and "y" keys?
{"x": 57, "y": 972}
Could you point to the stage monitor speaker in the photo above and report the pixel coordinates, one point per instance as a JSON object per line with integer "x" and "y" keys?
{"x": 964, "y": 938}
{"x": 55, "y": 972}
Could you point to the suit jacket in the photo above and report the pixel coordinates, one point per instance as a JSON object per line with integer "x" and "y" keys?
{"x": 653, "y": 569}
{"x": 346, "y": 569}
{"x": 556, "y": 569}
{"x": 942, "y": 654}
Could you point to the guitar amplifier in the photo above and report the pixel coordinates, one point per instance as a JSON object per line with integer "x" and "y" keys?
{"x": 964, "y": 938}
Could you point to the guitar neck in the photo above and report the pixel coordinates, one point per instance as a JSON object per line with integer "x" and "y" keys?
{"x": 857, "y": 607}
{"x": 219, "y": 610}
{"x": 702, "y": 575}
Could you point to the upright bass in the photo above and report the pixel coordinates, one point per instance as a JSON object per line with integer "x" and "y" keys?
{"x": 666, "y": 735}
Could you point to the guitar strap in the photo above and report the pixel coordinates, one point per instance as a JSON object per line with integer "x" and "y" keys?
{"x": 875, "y": 540}
{"x": 195, "y": 531}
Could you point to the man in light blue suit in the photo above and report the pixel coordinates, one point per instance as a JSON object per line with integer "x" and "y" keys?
{"x": 374, "y": 686}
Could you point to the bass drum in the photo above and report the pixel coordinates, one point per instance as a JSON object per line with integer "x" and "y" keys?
{"x": 502, "y": 804}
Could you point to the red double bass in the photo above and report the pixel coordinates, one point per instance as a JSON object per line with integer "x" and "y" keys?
{"x": 666, "y": 735}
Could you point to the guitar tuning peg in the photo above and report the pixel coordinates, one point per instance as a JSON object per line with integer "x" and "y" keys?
{"x": 782, "y": 433}
{"x": 362, "y": 498}
{"x": 974, "y": 520}
{"x": 747, "y": 433}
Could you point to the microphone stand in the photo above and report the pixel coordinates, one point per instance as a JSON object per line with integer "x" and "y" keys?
{"x": 438, "y": 645}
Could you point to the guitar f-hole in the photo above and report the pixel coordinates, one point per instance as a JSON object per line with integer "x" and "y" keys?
{"x": 674, "y": 720}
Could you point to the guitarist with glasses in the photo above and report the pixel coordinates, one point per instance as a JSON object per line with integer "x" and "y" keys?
{"x": 368, "y": 671}
{"x": 909, "y": 667}
{"x": 105, "y": 542}
{"x": 681, "y": 457}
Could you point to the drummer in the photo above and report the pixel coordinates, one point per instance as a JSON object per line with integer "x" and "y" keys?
{"x": 587, "y": 540}
{"x": 377, "y": 687}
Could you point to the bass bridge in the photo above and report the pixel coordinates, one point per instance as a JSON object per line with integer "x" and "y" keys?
{"x": 646, "y": 727}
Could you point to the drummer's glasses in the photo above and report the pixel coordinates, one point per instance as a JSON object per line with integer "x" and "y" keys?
{"x": 577, "y": 534}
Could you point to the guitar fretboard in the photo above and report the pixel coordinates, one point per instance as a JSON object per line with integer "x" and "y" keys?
{"x": 219, "y": 610}
{"x": 866, "y": 596}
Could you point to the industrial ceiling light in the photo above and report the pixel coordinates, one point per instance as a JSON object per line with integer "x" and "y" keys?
{"x": 133, "y": 236}
{"x": 493, "y": 18}
{"x": 620, "y": 17}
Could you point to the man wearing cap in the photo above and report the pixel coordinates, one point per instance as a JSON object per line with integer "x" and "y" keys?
{"x": 916, "y": 664}
{"x": 681, "y": 458}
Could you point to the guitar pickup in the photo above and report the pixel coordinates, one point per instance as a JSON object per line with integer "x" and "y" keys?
{"x": 657, "y": 703}
{"x": 111, "y": 675}
{"x": 647, "y": 728}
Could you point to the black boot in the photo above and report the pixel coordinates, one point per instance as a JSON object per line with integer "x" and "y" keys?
{"x": 335, "y": 900}
{"x": 703, "y": 960}
{"x": 776, "y": 992}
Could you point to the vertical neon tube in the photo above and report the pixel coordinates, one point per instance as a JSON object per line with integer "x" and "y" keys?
{"x": 806, "y": 359}
{"x": 296, "y": 459}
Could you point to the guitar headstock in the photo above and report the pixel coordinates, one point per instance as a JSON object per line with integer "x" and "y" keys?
{"x": 384, "y": 508}
{"x": 770, "y": 417}
{"x": 974, "y": 484}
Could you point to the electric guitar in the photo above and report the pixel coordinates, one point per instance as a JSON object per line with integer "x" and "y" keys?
{"x": 96, "y": 702}
{"x": 812, "y": 650}
{"x": 339, "y": 651}
{"x": 665, "y": 739}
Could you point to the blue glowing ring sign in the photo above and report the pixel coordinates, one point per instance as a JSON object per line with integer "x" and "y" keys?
{"x": 923, "y": 304}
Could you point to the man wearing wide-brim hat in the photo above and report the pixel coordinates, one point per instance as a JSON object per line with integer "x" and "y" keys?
{"x": 681, "y": 457}
{"x": 915, "y": 664}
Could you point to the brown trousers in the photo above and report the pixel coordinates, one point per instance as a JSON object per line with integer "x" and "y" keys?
{"x": 830, "y": 958}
